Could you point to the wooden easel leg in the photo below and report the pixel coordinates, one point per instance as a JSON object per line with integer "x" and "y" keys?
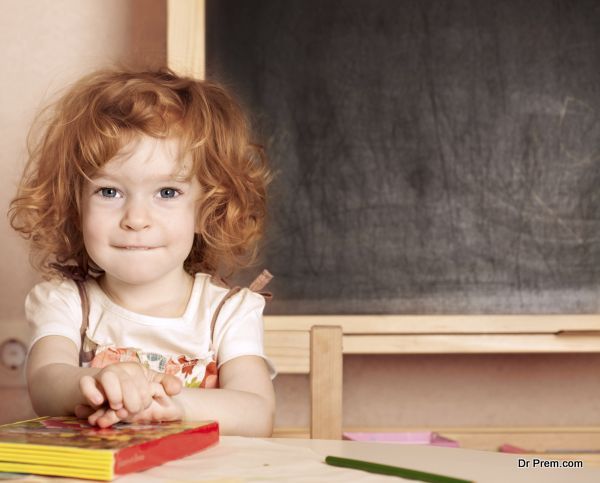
{"x": 326, "y": 370}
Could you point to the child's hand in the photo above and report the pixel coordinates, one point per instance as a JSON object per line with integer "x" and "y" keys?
{"x": 161, "y": 408}
{"x": 126, "y": 387}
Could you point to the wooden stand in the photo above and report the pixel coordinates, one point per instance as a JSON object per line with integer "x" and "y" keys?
{"x": 311, "y": 345}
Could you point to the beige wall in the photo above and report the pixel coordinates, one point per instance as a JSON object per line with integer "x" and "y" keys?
{"x": 45, "y": 45}
{"x": 458, "y": 390}
{"x": 48, "y": 43}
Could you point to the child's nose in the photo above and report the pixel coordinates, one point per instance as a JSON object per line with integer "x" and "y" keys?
{"x": 136, "y": 215}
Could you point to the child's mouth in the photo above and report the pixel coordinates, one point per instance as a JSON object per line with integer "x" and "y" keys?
{"x": 137, "y": 248}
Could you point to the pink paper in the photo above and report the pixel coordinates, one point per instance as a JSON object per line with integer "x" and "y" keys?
{"x": 413, "y": 437}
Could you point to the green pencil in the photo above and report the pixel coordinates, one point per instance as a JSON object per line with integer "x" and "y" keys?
{"x": 392, "y": 470}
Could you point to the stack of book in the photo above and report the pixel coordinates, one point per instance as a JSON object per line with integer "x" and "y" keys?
{"x": 67, "y": 446}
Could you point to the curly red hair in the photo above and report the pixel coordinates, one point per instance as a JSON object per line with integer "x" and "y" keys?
{"x": 95, "y": 118}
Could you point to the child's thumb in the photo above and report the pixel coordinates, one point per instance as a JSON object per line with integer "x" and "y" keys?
{"x": 171, "y": 384}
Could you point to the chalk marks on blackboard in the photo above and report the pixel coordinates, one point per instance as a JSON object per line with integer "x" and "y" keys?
{"x": 579, "y": 122}
{"x": 553, "y": 216}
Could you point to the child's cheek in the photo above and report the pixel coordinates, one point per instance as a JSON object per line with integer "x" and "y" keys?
{"x": 97, "y": 226}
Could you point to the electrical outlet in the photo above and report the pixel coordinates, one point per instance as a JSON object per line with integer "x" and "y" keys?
{"x": 14, "y": 342}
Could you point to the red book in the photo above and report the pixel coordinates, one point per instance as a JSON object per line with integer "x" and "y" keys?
{"x": 67, "y": 446}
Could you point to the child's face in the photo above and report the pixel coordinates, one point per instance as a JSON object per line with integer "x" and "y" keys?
{"x": 138, "y": 220}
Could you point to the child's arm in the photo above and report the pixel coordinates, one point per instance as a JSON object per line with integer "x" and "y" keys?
{"x": 244, "y": 405}
{"x": 57, "y": 384}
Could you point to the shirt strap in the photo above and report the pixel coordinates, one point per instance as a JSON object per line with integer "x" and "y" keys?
{"x": 79, "y": 276}
{"x": 256, "y": 285}
{"x": 261, "y": 282}
{"x": 85, "y": 321}
{"x": 228, "y": 295}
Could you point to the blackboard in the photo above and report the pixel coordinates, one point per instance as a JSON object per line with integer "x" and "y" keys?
{"x": 430, "y": 156}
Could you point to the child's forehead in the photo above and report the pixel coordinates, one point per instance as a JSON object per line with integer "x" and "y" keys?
{"x": 154, "y": 157}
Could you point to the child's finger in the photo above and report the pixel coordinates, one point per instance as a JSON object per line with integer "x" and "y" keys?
{"x": 132, "y": 399}
{"x": 158, "y": 392}
{"x": 93, "y": 418}
{"x": 167, "y": 409}
{"x": 112, "y": 385}
{"x": 143, "y": 388}
{"x": 107, "y": 419}
{"x": 89, "y": 389}
{"x": 122, "y": 413}
{"x": 171, "y": 383}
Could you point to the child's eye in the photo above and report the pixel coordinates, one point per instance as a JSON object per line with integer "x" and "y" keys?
{"x": 108, "y": 192}
{"x": 169, "y": 192}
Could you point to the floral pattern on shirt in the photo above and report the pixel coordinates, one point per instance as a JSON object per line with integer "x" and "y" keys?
{"x": 201, "y": 373}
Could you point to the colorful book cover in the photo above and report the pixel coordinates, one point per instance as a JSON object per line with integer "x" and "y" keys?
{"x": 67, "y": 446}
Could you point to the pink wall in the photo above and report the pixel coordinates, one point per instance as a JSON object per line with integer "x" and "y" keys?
{"x": 46, "y": 45}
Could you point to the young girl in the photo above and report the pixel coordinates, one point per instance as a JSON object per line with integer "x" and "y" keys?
{"x": 142, "y": 188}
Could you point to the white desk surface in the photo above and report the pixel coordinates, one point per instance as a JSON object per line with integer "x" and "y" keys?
{"x": 236, "y": 460}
